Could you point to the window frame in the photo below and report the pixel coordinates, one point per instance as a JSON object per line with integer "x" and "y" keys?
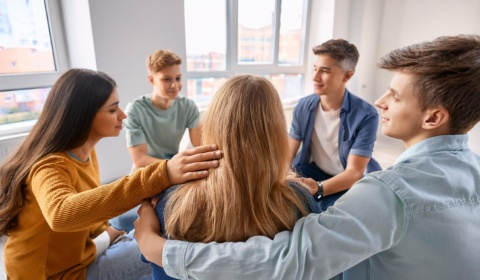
{"x": 232, "y": 66}
{"x": 21, "y": 81}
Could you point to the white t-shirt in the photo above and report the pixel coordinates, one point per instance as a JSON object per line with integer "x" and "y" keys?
{"x": 324, "y": 147}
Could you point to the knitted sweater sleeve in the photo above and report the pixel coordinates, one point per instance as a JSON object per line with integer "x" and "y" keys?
{"x": 71, "y": 200}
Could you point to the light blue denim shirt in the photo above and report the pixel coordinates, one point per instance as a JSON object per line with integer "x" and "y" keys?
{"x": 418, "y": 219}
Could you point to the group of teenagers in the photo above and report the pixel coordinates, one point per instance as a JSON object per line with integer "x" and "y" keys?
{"x": 252, "y": 200}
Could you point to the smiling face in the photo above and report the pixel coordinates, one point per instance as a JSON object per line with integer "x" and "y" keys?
{"x": 329, "y": 78}
{"x": 167, "y": 82}
{"x": 108, "y": 120}
{"x": 401, "y": 115}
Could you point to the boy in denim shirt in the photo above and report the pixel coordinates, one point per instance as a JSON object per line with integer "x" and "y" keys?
{"x": 336, "y": 129}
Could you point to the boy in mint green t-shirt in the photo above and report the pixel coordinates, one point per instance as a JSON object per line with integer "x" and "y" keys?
{"x": 156, "y": 122}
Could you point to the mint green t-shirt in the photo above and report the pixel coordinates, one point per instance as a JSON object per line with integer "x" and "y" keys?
{"x": 161, "y": 130}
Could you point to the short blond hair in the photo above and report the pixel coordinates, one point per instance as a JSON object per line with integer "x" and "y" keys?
{"x": 161, "y": 59}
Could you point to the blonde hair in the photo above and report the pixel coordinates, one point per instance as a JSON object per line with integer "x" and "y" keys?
{"x": 249, "y": 193}
{"x": 161, "y": 59}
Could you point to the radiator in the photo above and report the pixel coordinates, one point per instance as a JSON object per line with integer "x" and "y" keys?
{"x": 9, "y": 143}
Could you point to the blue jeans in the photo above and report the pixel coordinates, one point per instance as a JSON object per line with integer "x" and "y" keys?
{"x": 125, "y": 221}
{"x": 120, "y": 261}
{"x": 310, "y": 170}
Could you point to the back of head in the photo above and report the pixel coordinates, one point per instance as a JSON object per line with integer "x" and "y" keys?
{"x": 64, "y": 123}
{"x": 245, "y": 119}
{"x": 345, "y": 53}
{"x": 161, "y": 59}
{"x": 248, "y": 194}
{"x": 446, "y": 73}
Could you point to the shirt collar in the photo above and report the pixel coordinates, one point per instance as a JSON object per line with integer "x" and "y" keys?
{"x": 456, "y": 142}
{"x": 346, "y": 101}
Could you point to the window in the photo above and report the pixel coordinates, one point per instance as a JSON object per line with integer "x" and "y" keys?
{"x": 31, "y": 57}
{"x": 228, "y": 37}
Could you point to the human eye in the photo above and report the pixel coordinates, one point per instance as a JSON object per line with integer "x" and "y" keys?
{"x": 167, "y": 80}
{"x": 178, "y": 79}
{"x": 394, "y": 95}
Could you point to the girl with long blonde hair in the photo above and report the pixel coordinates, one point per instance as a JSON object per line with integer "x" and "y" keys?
{"x": 253, "y": 191}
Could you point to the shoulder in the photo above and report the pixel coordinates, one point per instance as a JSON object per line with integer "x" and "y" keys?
{"x": 396, "y": 178}
{"x": 139, "y": 103}
{"x": 309, "y": 99}
{"x": 305, "y": 195}
{"x": 184, "y": 103}
{"x": 56, "y": 162}
{"x": 308, "y": 102}
{"x": 357, "y": 104}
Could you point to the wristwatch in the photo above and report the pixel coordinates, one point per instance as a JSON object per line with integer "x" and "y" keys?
{"x": 319, "y": 194}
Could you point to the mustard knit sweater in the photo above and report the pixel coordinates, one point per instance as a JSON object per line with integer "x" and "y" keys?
{"x": 65, "y": 209}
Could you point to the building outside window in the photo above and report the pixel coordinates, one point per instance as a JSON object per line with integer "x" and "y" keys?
{"x": 29, "y": 60}
{"x": 228, "y": 37}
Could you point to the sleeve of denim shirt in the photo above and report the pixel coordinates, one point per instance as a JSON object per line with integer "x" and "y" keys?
{"x": 366, "y": 136}
{"x": 295, "y": 131}
{"x": 368, "y": 219}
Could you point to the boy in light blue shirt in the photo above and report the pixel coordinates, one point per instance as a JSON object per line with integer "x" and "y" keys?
{"x": 418, "y": 219}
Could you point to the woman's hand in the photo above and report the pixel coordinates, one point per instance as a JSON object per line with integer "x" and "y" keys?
{"x": 192, "y": 164}
{"x": 114, "y": 233}
{"x": 148, "y": 233}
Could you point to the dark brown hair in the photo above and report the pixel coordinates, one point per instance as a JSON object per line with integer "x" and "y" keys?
{"x": 64, "y": 124}
{"x": 446, "y": 73}
{"x": 345, "y": 53}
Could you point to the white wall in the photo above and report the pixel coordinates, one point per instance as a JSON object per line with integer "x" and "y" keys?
{"x": 116, "y": 36}
{"x": 410, "y": 21}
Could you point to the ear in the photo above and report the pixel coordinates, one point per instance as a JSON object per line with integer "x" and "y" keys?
{"x": 348, "y": 75}
{"x": 150, "y": 79}
{"x": 436, "y": 118}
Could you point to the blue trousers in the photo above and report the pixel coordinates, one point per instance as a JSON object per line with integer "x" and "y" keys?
{"x": 120, "y": 261}
{"x": 125, "y": 220}
{"x": 310, "y": 170}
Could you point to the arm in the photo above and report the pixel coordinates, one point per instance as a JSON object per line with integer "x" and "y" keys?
{"x": 293, "y": 145}
{"x": 140, "y": 157}
{"x": 195, "y": 135}
{"x": 68, "y": 207}
{"x": 354, "y": 171}
{"x": 106, "y": 238}
{"x": 372, "y": 219}
{"x": 147, "y": 232}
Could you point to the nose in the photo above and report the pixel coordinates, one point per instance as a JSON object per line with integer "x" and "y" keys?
{"x": 121, "y": 114}
{"x": 316, "y": 76}
{"x": 380, "y": 103}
